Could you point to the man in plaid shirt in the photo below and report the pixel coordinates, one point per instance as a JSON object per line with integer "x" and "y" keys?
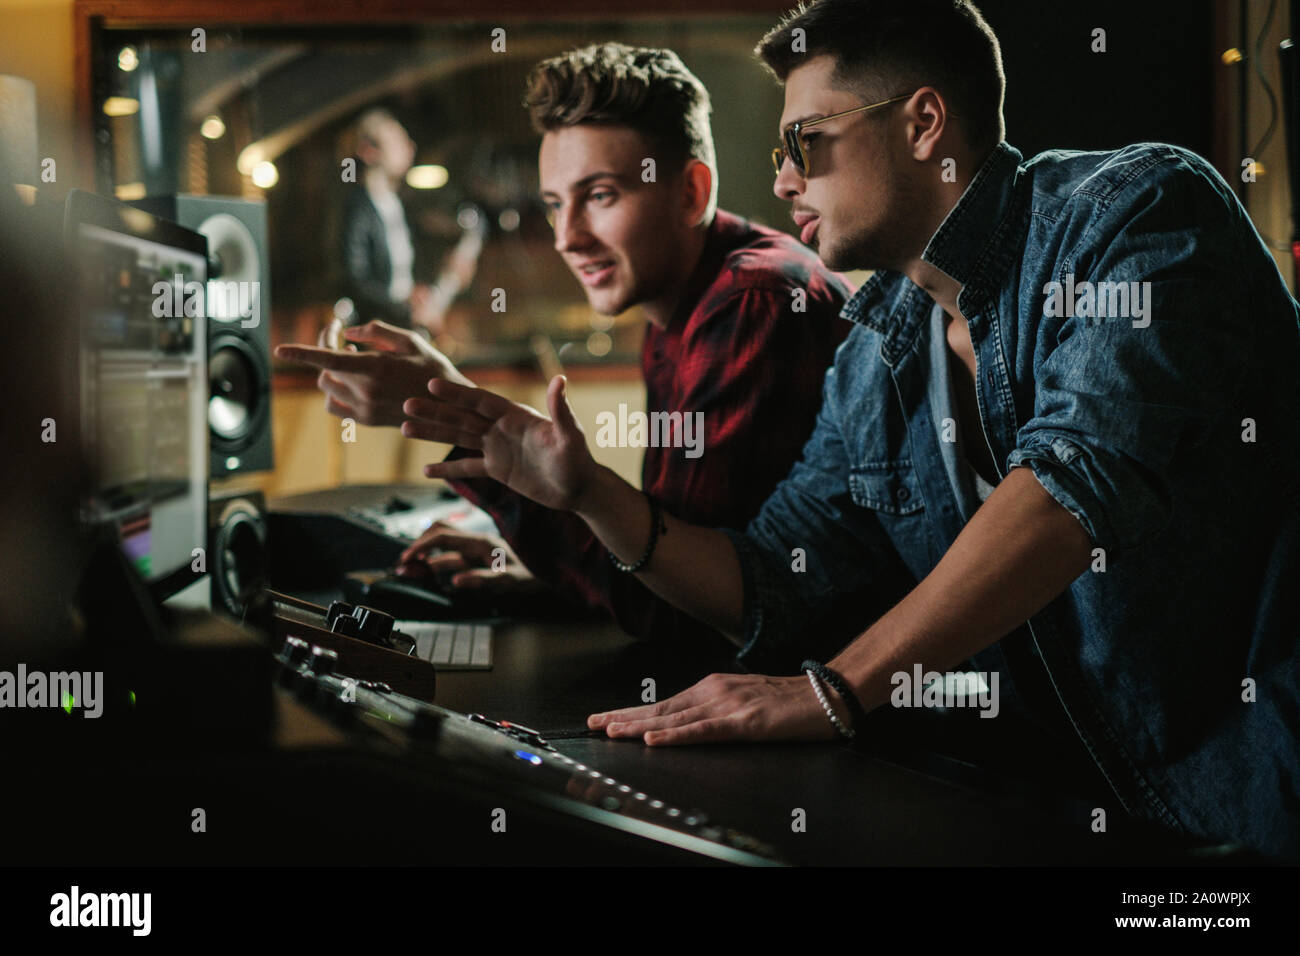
{"x": 732, "y": 350}
{"x": 742, "y": 325}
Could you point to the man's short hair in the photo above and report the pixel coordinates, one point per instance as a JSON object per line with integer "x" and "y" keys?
{"x": 885, "y": 48}
{"x": 646, "y": 89}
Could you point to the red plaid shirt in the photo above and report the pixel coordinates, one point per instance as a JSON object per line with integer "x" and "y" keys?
{"x": 738, "y": 349}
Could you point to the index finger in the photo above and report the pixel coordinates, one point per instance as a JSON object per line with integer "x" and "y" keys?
{"x": 487, "y": 404}
{"x": 449, "y": 539}
{"x": 682, "y": 701}
{"x": 326, "y": 359}
{"x": 422, "y": 544}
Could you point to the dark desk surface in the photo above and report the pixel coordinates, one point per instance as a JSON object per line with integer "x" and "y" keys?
{"x": 905, "y": 800}
{"x": 922, "y": 789}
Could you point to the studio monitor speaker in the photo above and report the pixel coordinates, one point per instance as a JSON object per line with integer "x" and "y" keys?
{"x": 238, "y": 549}
{"x": 238, "y": 305}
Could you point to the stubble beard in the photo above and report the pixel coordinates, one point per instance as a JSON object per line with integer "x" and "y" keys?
{"x": 864, "y": 248}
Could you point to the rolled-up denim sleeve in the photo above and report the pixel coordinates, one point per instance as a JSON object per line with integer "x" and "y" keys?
{"x": 808, "y": 544}
{"x": 1119, "y": 398}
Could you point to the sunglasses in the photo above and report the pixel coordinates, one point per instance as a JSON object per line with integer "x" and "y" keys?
{"x": 792, "y": 144}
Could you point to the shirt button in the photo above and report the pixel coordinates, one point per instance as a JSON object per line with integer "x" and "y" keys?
{"x": 903, "y": 494}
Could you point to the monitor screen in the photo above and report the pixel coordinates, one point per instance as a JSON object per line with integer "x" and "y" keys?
{"x": 143, "y": 378}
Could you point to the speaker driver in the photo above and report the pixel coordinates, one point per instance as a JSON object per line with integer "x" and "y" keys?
{"x": 236, "y": 406}
{"x": 240, "y": 557}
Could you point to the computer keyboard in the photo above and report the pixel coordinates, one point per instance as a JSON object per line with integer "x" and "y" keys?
{"x": 451, "y": 645}
{"x": 407, "y": 520}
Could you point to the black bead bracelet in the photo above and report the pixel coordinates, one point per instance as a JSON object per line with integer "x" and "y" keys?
{"x": 656, "y": 520}
{"x": 841, "y": 686}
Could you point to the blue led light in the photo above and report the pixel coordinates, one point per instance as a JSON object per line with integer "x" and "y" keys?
{"x": 531, "y": 758}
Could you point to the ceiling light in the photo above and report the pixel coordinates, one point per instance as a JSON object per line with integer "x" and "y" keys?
{"x": 265, "y": 175}
{"x": 212, "y": 128}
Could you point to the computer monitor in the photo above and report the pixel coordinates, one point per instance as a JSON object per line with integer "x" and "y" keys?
{"x": 140, "y": 282}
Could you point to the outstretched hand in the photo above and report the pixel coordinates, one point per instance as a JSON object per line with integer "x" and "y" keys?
{"x": 545, "y": 459}
{"x": 725, "y": 707}
{"x": 370, "y": 387}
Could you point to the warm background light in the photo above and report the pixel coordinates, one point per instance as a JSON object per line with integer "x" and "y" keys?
{"x": 128, "y": 191}
{"x": 212, "y": 128}
{"x": 265, "y": 175}
{"x": 427, "y": 177}
{"x": 249, "y": 157}
{"x": 121, "y": 106}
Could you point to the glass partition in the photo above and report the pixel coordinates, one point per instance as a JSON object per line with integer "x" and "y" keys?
{"x": 268, "y": 113}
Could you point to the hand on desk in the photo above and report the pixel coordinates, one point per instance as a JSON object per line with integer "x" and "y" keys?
{"x": 370, "y": 387}
{"x": 480, "y": 561}
{"x": 726, "y": 707}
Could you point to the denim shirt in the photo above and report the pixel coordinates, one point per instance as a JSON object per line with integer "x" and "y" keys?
{"x": 1171, "y": 432}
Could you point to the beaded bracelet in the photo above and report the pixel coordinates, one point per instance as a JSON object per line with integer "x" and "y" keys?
{"x": 846, "y": 732}
{"x": 841, "y": 686}
{"x": 655, "y": 521}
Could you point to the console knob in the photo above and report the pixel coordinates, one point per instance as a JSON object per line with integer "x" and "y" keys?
{"x": 336, "y": 610}
{"x": 323, "y": 660}
{"x": 373, "y": 626}
{"x": 295, "y": 650}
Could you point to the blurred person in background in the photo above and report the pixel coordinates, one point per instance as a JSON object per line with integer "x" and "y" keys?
{"x": 375, "y": 244}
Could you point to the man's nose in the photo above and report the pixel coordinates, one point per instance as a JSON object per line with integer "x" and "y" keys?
{"x": 789, "y": 181}
{"x": 570, "y": 232}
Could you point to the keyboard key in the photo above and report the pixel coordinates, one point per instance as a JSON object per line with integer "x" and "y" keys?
{"x": 460, "y": 650}
{"x": 481, "y": 656}
{"x": 423, "y": 640}
{"x": 442, "y": 649}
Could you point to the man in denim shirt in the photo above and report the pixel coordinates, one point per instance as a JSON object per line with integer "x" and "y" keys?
{"x": 1098, "y": 344}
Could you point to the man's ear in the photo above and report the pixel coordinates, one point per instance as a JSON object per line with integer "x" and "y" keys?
{"x": 697, "y": 187}
{"x": 929, "y": 120}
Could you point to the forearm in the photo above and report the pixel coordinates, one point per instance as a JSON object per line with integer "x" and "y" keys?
{"x": 557, "y": 547}
{"x": 695, "y": 569}
{"x": 561, "y": 551}
{"x": 1019, "y": 551}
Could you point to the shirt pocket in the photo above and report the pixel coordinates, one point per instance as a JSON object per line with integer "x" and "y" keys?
{"x": 891, "y": 490}
{"x": 887, "y": 487}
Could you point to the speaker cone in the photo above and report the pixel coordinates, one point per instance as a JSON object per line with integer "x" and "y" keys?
{"x": 237, "y": 389}
{"x": 240, "y": 554}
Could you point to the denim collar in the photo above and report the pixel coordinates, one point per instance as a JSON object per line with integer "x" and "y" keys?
{"x": 974, "y": 244}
